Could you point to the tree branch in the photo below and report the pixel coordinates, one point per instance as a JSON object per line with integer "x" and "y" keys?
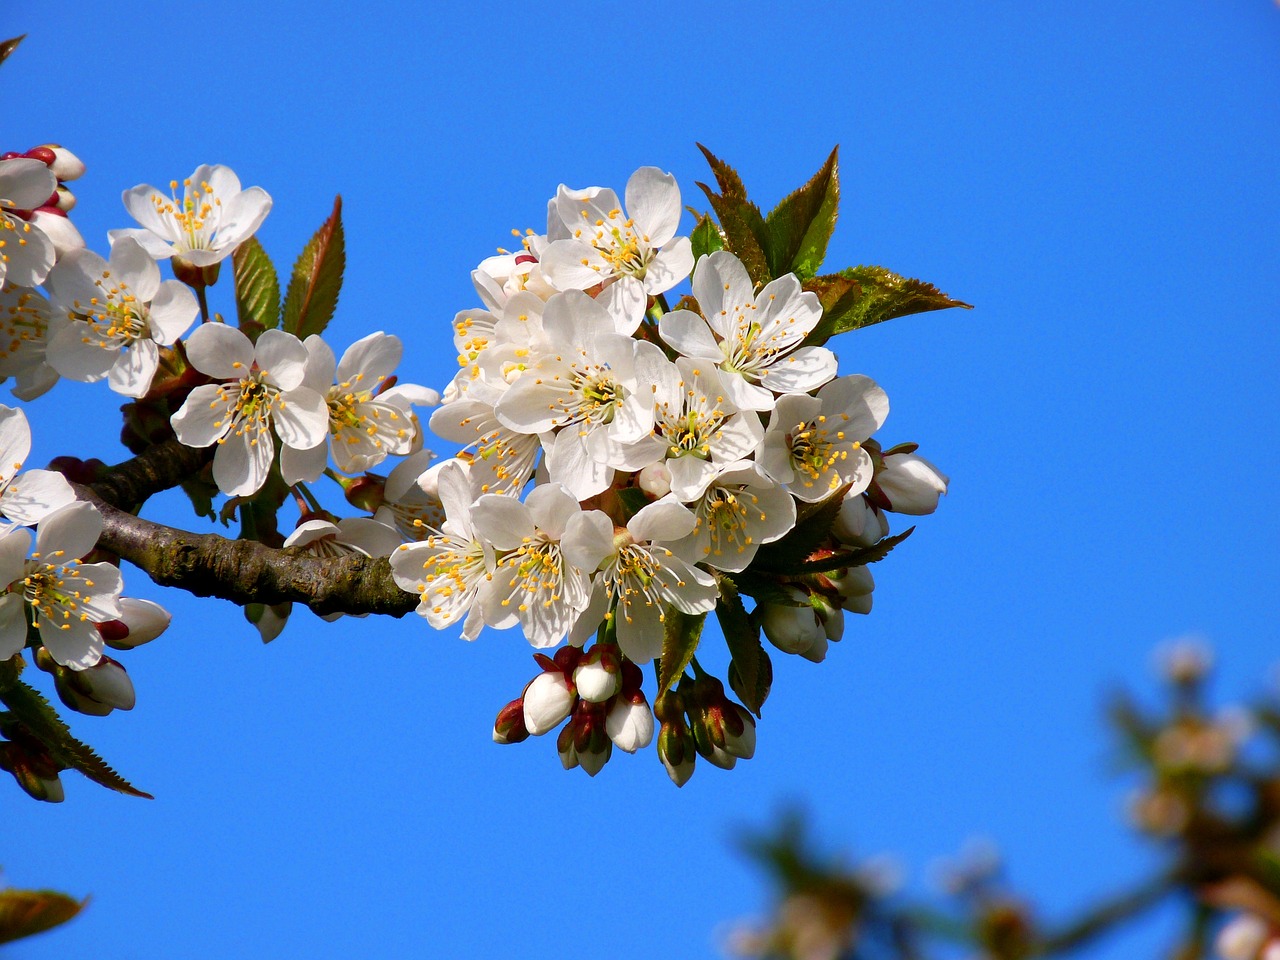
{"x": 208, "y": 565}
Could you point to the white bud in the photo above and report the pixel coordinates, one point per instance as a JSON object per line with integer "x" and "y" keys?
{"x": 595, "y": 682}
{"x": 66, "y": 165}
{"x": 593, "y": 761}
{"x": 630, "y": 725}
{"x": 66, "y": 200}
{"x": 107, "y": 683}
{"x": 548, "y": 700}
{"x": 818, "y": 652}
{"x": 655, "y": 479}
{"x": 679, "y": 772}
{"x": 60, "y": 230}
{"x": 743, "y": 745}
{"x": 793, "y": 629}
{"x": 146, "y": 621}
{"x": 858, "y": 523}
{"x": 1242, "y": 938}
{"x": 911, "y": 484}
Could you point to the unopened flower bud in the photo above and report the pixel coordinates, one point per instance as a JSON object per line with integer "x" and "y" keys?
{"x": 37, "y": 775}
{"x": 655, "y": 479}
{"x": 65, "y": 164}
{"x": 1185, "y": 661}
{"x": 66, "y": 200}
{"x": 597, "y": 675}
{"x": 818, "y": 652}
{"x": 630, "y": 723}
{"x": 853, "y": 587}
{"x": 61, "y": 231}
{"x": 105, "y": 684}
{"x": 141, "y": 622}
{"x": 44, "y": 154}
{"x": 792, "y": 629}
{"x": 583, "y": 742}
{"x": 269, "y": 619}
{"x": 677, "y": 751}
{"x": 739, "y": 731}
{"x": 829, "y": 615}
{"x": 548, "y": 700}
{"x": 858, "y": 523}
{"x": 911, "y": 484}
{"x": 509, "y": 727}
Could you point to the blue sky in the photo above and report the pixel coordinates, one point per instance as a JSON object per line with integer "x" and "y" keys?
{"x": 1098, "y": 179}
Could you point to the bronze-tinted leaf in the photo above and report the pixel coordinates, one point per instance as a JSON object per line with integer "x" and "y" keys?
{"x": 862, "y": 296}
{"x": 679, "y": 643}
{"x": 24, "y": 913}
{"x": 8, "y": 46}
{"x": 741, "y": 222}
{"x": 317, "y": 279}
{"x": 706, "y": 237}
{"x": 257, "y": 289}
{"x": 750, "y": 670}
{"x": 801, "y": 225}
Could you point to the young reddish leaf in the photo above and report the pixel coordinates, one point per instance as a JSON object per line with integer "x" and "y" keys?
{"x": 317, "y": 279}
{"x": 257, "y": 289}
{"x": 750, "y": 670}
{"x": 801, "y": 225}
{"x": 24, "y": 913}
{"x": 8, "y": 46}
{"x": 741, "y": 222}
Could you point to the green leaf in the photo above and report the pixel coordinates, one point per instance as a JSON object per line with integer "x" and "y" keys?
{"x": 633, "y": 500}
{"x": 801, "y": 225}
{"x": 8, "y": 46}
{"x": 679, "y": 642}
{"x": 257, "y": 289}
{"x": 36, "y": 714}
{"x": 853, "y": 558}
{"x": 24, "y": 913}
{"x": 750, "y": 670}
{"x": 741, "y": 222}
{"x": 706, "y": 237}
{"x": 317, "y": 279}
{"x": 862, "y": 296}
{"x": 812, "y": 530}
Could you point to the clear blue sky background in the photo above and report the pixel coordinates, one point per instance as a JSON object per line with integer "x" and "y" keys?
{"x": 1100, "y": 179}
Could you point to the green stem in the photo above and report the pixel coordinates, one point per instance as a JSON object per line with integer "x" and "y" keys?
{"x": 204, "y": 304}
{"x": 300, "y": 489}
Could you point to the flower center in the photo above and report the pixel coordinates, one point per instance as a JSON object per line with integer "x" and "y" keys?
{"x": 54, "y": 591}
{"x": 194, "y": 214}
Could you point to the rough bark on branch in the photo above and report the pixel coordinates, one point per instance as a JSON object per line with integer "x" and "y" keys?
{"x": 207, "y": 565}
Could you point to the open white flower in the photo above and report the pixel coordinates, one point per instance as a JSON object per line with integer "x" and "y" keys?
{"x": 26, "y": 254}
{"x": 26, "y": 321}
{"x": 366, "y": 422}
{"x": 212, "y": 218}
{"x": 738, "y": 512}
{"x": 534, "y": 584}
{"x": 634, "y": 254}
{"x": 697, "y": 430}
{"x": 813, "y": 445}
{"x": 448, "y": 568}
{"x": 584, "y": 386}
{"x": 120, "y": 314}
{"x": 639, "y": 578}
{"x": 350, "y": 536}
{"x": 411, "y": 501}
{"x": 753, "y": 338}
{"x": 29, "y": 497}
{"x": 503, "y": 459}
{"x": 68, "y": 599}
{"x": 262, "y": 390}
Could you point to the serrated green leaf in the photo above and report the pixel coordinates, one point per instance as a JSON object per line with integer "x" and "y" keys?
{"x": 257, "y": 289}
{"x": 39, "y": 717}
{"x": 750, "y": 669}
{"x": 8, "y": 46}
{"x": 706, "y": 237}
{"x": 812, "y": 530}
{"x": 801, "y": 225}
{"x": 853, "y": 558}
{"x": 863, "y": 296}
{"x": 317, "y": 279}
{"x": 679, "y": 643}
{"x": 24, "y": 913}
{"x": 741, "y": 222}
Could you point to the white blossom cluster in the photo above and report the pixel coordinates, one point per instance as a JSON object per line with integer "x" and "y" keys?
{"x": 617, "y": 454}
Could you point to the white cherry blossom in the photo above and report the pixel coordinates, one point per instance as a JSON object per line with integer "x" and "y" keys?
{"x": 350, "y": 536}
{"x": 120, "y": 313}
{"x": 212, "y": 217}
{"x": 26, "y": 498}
{"x": 813, "y": 445}
{"x": 447, "y": 569}
{"x": 366, "y": 422}
{"x": 411, "y": 501}
{"x": 503, "y": 460}
{"x": 755, "y": 339}
{"x": 634, "y": 254}
{"x": 639, "y": 579}
{"x": 739, "y": 511}
{"x": 534, "y": 583}
{"x": 67, "y": 598}
{"x": 261, "y": 390}
{"x": 26, "y": 253}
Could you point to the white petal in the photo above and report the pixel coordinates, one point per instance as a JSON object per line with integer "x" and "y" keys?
{"x": 282, "y": 359}
{"x": 665, "y": 519}
{"x": 588, "y": 539}
{"x": 74, "y": 352}
{"x": 220, "y": 351}
{"x": 242, "y": 216}
{"x": 204, "y": 417}
{"x": 242, "y": 462}
{"x": 552, "y": 507}
{"x": 502, "y": 521}
{"x": 801, "y": 371}
{"x": 173, "y": 311}
{"x": 671, "y": 265}
{"x": 79, "y": 646}
{"x": 73, "y": 529}
{"x": 653, "y": 202}
{"x": 13, "y": 625}
{"x": 375, "y": 357}
{"x": 149, "y": 242}
{"x": 26, "y": 183}
{"x": 625, "y": 300}
{"x": 15, "y": 441}
{"x": 687, "y": 333}
{"x": 573, "y": 265}
{"x": 303, "y": 465}
{"x": 15, "y": 543}
{"x": 569, "y": 462}
{"x": 301, "y": 417}
{"x": 140, "y": 202}
{"x": 134, "y": 369}
{"x": 135, "y": 268}
{"x": 33, "y": 495}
